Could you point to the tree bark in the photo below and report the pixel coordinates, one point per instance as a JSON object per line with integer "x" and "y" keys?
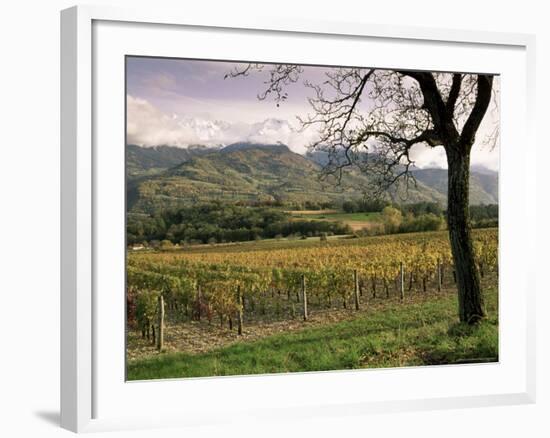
{"x": 470, "y": 300}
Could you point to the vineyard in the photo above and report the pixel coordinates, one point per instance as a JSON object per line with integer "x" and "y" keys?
{"x": 234, "y": 286}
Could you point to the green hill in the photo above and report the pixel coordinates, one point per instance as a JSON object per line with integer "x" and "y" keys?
{"x": 483, "y": 186}
{"x": 166, "y": 177}
{"x": 142, "y": 161}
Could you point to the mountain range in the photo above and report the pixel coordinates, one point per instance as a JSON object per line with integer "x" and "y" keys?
{"x": 183, "y": 131}
{"x": 167, "y": 177}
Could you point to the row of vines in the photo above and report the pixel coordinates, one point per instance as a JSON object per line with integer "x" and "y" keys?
{"x": 240, "y": 285}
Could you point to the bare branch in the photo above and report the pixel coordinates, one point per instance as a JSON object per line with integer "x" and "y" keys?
{"x": 484, "y": 86}
{"x": 453, "y": 94}
{"x": 400, "y": 109}
{"x": 280, "y": 76}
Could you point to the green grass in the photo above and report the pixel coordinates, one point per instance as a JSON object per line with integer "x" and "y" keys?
{"x": 344, "y": 217}
{"x": 401, "y": 335}
{"x": 266, "y": 244}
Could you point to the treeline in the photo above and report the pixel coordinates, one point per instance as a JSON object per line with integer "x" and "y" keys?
{"x": 427, "y": 216}
{"x": 364, "y": 205}
{"x": 480, "y": 215}
{"x": 394, "y": 220}
{"x": 484, "y": 216}
{"x": 217, "y": 222}
{"x": 288, "y": 205}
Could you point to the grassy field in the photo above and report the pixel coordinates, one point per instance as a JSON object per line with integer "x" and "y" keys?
{"x": 309, "y": 242}
{"x": 344, "y": 217}
{"x": 420, "y": 333}
{"x": 356, "y": 221}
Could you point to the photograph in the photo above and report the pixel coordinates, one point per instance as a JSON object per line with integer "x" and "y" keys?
{"x": 290, "y": 218}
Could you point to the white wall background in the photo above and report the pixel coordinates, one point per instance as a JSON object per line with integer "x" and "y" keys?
{"x": 29, "y": 216}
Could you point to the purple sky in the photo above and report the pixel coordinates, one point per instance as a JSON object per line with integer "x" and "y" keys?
{"x": 163, "y": 82}
{"x": 181, "y": 102}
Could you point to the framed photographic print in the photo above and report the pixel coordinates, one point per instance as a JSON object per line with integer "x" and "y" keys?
{"x": 304, "y": 218}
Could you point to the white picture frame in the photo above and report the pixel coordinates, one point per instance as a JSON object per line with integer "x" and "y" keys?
{"x": 85, "y": 174}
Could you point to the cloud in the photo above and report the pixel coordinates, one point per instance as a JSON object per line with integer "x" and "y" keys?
{"x": 428, "y": 157}
{"x": 273, "y": 131}
{"x": 148, "y": 126}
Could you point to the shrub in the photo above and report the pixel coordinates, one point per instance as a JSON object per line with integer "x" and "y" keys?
{"x": 424, "y": 222}
{"x": 391, "y": 218}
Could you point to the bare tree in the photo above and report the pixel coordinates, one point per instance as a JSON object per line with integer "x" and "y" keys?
{"x": 372, "y": 118}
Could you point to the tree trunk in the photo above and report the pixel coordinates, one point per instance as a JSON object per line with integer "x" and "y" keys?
{"x": 470, "y": 302}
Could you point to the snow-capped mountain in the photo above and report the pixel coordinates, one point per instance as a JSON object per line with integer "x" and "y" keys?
{"x": 151, "y": 130}
{"x": 205, "y": 131}
{"x": 147, "y": 126}
{"x": 221, "y": 133}
{"x": 274, "y": 130}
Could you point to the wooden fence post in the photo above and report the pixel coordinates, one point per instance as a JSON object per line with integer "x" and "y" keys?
{"x": 304, "y": 293}
{"x": 160, "y": 334}
{"x": 240, "y": 306}
{"x": 401, "y": 282}
{"x": 438, "y": 275}
{"x": 356, "y": 288}
{"x": 199, "y": 301}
